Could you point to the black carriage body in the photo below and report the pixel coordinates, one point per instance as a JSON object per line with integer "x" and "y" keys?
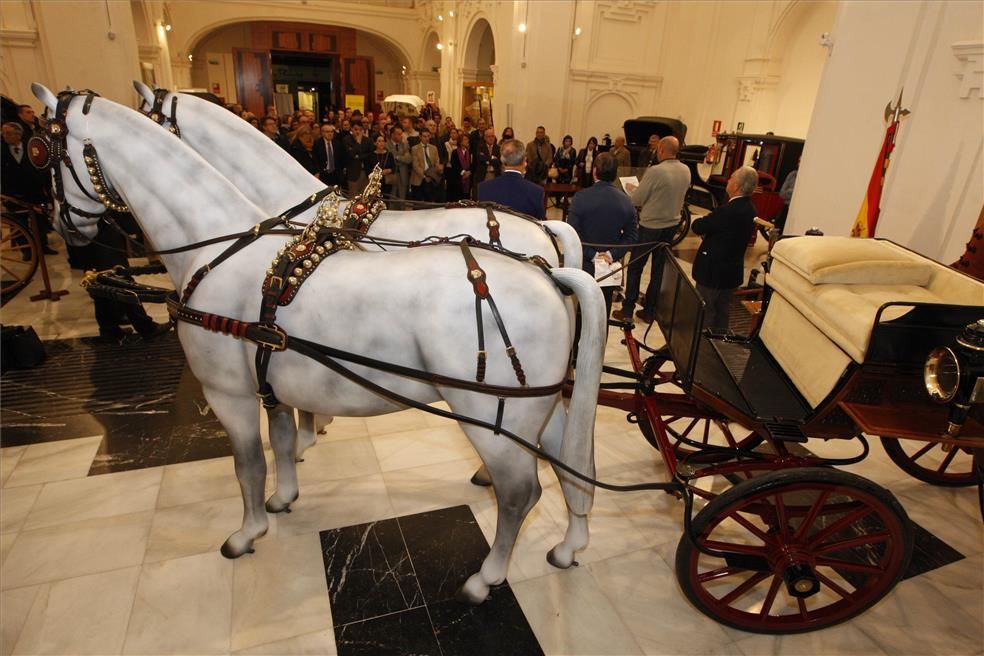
{"x": 884, "y": 395}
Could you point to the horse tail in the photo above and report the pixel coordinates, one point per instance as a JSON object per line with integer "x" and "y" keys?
{"x": 569, "y": 242}
{"x": 577, "y": 449}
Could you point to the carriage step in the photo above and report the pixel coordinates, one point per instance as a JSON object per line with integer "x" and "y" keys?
{"x": 785, "y": 432}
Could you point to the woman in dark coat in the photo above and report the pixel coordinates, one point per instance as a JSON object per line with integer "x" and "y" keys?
{"x": 565, "y": 159}
{"x": 302, "y": 149}
{"x": 585, "y": 162}
{"x": 460, "y": 170}
{"x": 384, "y": 159}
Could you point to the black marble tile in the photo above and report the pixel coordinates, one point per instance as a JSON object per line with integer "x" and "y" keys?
{"x": 498, "y": 626}
{"x": 399, "y": 634}
{"x": 446, "y": 547}
{"x": 368, "y": 572}
{"x": 198, "y": 441}
{"x": 371, "y": 567}
{"x": 929, "y": 552}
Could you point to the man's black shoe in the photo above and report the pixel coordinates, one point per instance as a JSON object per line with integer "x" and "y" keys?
{"x": 155, "y": 331}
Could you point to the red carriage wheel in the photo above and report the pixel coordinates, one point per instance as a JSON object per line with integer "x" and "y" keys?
{"x": 708, "y": 432}
{"x": 18, "y": 256}
{"x": 932, "y": 462}
{"x": 798, "y": 550}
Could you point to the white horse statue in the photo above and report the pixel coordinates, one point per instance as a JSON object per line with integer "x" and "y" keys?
{"x": 414, "y": 308}
{"x": 275, "y": 182}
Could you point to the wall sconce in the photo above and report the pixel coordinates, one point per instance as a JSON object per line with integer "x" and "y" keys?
{"x": 451, "y": 13}
{"x": 167, "y": 27}
{"x": 440, "y": 46}
{"x": 440, "y": 18}
{"x": 522, "y": 28}
{"x": 577, "y": 31}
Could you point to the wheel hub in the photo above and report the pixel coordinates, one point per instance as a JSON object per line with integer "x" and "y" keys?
{"x": 800, "y": 580}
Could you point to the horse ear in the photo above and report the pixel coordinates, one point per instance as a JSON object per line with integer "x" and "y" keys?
{"x": 44, "y": 94}
{"x": 145, "y": 92}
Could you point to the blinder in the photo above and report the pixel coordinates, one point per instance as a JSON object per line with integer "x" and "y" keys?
{"x": 156, "y": 111}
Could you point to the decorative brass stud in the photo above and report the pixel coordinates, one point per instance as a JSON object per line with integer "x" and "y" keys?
{"x": 298, "y": 271}
{"x": 307, "y": 264}
{"x": 292, "y": 280}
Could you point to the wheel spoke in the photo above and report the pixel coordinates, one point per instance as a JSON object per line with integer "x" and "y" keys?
{"x": 752, "y": 528}
{"x": 947, "y": 460}
{"x": 801, "y": 603}
{"x": 707, "y": 432}
{"x": 744, "y": 588}
{"x": 836, "y": 563}
{"x": 804, "y": 527}
{"x": 851, "y": 543}
{"x": 15, "y": 276}
{"x": 833, "y": 586}
{"x": 843, "y": 522}
{"x": 921, "y": 452}
{"x": 719, "y": 573}
{"x": 731, "y": 547}
{"x": 781, "y": 516}
{"x": 770, "y": 597}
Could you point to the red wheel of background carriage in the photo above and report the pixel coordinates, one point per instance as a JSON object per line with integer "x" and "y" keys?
{"x": 806, "y": 549}
{"x": 931, "y": 463}
{"x": 18, "y": 257}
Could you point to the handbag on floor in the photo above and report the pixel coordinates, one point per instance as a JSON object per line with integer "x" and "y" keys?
{"x": 20, "y": 348}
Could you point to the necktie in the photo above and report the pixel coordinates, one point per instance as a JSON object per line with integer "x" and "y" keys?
{"x": 17, "y": 153}
{"x": 427, "y": 163}
{"x": 330, "y": 163}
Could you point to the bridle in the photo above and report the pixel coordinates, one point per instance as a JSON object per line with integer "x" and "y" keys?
{"x": 156, "y": 111}
{"x": 50, "y": 150}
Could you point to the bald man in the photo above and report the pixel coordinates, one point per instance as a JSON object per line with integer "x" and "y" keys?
{"x": 660, "y": 197}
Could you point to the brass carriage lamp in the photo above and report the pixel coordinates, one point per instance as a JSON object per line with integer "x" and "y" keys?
{"x": 956, "y": 375}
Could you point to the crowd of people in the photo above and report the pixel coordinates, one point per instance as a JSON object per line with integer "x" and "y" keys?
{"x": 426, "y": 157}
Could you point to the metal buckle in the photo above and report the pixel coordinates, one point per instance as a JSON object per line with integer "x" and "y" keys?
{"x": 278, "y": 281}
{"x": 273, "y": 346}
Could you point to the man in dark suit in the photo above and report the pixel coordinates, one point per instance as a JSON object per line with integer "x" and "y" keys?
{"x": 719, "y": 265}
{"x": 603, "y": 214}
{"x": 22, "y": 181}
{"x": 649, "y": 157}
{"x": 269, "y": 127}
{"x": 510, "y": 188}
{"x": 487, "y": 160}
{"x": 330, "y": 156}
{"x": 357, "y": 153}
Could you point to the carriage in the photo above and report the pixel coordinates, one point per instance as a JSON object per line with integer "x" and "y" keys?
{"x": 792, "y": 546}
{"x": 796, "y": 545}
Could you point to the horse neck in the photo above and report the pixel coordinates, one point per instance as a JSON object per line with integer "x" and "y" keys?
{"x": 176, "y": 196}
{"x": 262, "y": 170}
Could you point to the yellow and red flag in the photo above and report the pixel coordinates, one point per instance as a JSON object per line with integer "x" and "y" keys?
{"x": 864, "y": 225}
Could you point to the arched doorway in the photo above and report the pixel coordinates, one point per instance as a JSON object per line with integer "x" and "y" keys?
{"x": 476, "y": 72}
{"x": 297, "y": 66}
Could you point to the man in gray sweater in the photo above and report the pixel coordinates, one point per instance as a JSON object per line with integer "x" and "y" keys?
{"x": 660, "y": 197}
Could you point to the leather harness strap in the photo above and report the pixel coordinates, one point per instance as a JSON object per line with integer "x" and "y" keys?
{"x": 477, "y": 277}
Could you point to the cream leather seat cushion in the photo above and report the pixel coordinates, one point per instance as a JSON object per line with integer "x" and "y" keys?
{"x": 868, "y": 274}
{"x": 846, "y": 260}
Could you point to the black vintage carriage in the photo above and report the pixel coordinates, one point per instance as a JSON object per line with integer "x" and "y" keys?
{"x": 795, "y": 544}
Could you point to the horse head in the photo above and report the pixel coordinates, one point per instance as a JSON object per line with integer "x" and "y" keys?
{"x": 80, "y": 207}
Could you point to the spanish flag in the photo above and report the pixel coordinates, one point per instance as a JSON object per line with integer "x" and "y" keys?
{"x": 864, "y": 225}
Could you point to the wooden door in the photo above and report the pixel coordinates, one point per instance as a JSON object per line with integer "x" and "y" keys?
{"x": 254, "y": 79}
{"x": 358, "y": 75}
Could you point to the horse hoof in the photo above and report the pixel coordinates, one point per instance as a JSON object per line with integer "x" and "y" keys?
{"x": 463, "y": 597}
{"x": 480, "y": 478}
{"x": 275, "y": 505}
{"x": 558, "y": 561}
{"x": 232, "y": 552}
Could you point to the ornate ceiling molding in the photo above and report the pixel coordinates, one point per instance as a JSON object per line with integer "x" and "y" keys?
{"x": 970, "y": 54}
{"x": 625, "y": 11}
{"x": 19, "y": 38}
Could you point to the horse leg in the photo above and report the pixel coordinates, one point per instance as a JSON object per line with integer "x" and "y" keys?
{"x": 517, "y": 489}
{"x": 283, "y": 437}
{"x": 576, "y": 537}
{"x": 306, "y": 436}
{"x": 240, "y": 418}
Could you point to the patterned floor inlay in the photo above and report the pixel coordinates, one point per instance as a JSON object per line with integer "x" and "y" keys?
{"x": 139, "y": 395}
{"x": 392, "y": 583}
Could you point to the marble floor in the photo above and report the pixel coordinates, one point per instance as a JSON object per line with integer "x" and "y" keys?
{"x": 124, "y": 560}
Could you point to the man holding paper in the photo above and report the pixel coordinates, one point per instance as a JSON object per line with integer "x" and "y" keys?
{"x": 660, "y": 197}
{"x": 602, "y": 214}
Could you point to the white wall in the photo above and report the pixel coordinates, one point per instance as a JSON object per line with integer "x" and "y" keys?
{"x": 935, "y": 184}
